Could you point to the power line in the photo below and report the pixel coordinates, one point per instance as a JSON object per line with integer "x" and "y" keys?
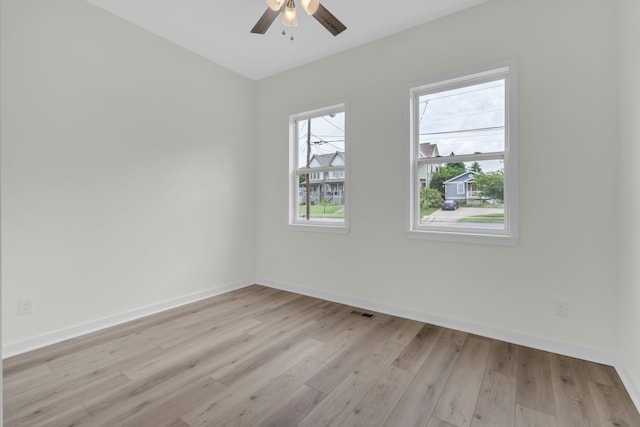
{"x": 478, "y": 89}
{"x": 463, "y": 131}
{"x": 332, "y": 124}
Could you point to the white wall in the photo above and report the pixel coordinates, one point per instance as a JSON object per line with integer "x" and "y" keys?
{"x": 630, "y": 176}
{"x": 126, "y": 168}
{"x": 569, "y": 246}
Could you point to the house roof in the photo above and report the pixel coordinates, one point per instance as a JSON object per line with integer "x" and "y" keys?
{"x": 326, "y": 160}
{"x": 462, "y": 175}
{"x": 428, "y": 149}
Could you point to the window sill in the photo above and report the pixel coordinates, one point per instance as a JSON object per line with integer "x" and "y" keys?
{"x": 320, "y": 228}
{"x": 464, "y": 237}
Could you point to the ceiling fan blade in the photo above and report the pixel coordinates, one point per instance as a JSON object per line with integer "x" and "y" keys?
{"x": 329, "y": 21}
{"x": 265, "y": 21}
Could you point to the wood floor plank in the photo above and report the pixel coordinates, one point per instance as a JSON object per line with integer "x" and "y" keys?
{"x": 406, "y": 332}
{"x": 607, "y": 375}
{"x": 623, "y": 395}
{"x": 526, "y": 417}
{"x": 417, "y": 404}
{"x": 164, "y": 411}
{"x": 435, "y": 422}
{"x": 217, "y": 343}
{"x": 336, "y": 319}
{"x": 177, "y": 423}
{"x": 496, "y": 401}
{"x": 342, "y": 400}
{"x": 260, "y": 403}
{"x": 460, "y": 394}
{"x": 106, "y": 354}
{"x": 74, "y": 416}
{"x": 261, "y": 356}
{"x": 377, "y": 404}
{"x": 534, "y": 388}
{"x": 61, "y": 382}
{"x": 503, "y": 358}
{"x": 207, "y": 413}
{"x": 574, "y": 405}
{"x": 158, "y": 405}
{"x": 340, "y": 367}
{"x": 296, "y": 306}
{"x": 418, "y": 349}
{"x": 343, "y": 340}
{"x": 246, "y": 364}
{"x": 120, "y": 405}
{"x": 234, "y": 309}
{"x": 208, "y": 329}
{"x": 27, "y": 376}
{"x": 294, "y": 409}
{"x": 63, "y": 399}
{"x": 612, "y": 412}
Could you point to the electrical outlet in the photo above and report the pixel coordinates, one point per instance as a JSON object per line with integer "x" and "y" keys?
{"x": 25, "y": 306}
{"x": 562, "y": 309}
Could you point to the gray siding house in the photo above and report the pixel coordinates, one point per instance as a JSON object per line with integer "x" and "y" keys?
{"x": 462, "y": 188}
{"x": 326, "y": 185}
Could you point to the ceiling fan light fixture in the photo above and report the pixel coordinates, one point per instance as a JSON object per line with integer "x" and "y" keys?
{"x": 275, "y": 5}
{"x": 310, "y": 6}
{"x": 290, "y": 18}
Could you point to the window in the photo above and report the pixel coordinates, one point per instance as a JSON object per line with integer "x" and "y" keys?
{"x": 463, "y": 151}
{"x": 336, "y": 174}
{"x": 318, "y": 175}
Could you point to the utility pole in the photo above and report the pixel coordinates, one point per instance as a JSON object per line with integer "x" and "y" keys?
{"x": 308, "y": 204}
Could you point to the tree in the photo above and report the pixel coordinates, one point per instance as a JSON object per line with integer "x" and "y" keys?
{"x": 456, "y": 165}
{"x": 475, "y": 167}
{"x": 491, "y": 185}
{"x": 445, "y": 173}
{"x": 430, "y": 198}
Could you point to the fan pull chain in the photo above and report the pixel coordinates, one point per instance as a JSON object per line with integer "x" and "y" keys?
{"x": 284, "y": 33}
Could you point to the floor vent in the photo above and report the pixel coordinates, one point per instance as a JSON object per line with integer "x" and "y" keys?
{"x": 361, "y": 314}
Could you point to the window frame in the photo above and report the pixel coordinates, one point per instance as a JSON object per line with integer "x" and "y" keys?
{"x": 294, "y": 223}
{"x": 506, "y": 70}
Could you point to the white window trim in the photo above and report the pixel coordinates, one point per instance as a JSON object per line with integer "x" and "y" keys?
{"x": 317, "y": 226}
{"x": 510, "y": 235}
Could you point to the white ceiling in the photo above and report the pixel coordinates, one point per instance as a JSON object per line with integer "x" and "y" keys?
{"x": 220, "y": 30}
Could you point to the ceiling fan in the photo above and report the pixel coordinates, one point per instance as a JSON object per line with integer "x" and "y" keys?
{"x": 312, "y": 7}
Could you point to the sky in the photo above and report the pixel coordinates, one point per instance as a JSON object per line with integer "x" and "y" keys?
{"x": 327, "y": 136}
{"x": 463, "y": 121}
{"x": 467, "y": 120}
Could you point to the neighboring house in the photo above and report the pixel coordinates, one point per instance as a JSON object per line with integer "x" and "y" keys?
{"x": 462, "y": 188}
{"x": 330, "y": 184}
{"x": 425, "y": 171}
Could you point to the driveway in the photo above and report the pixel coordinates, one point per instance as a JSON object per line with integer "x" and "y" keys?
{"x": 450, "y": 218}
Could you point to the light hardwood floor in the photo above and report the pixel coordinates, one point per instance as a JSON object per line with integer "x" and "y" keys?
{"x": 264, "y": 357}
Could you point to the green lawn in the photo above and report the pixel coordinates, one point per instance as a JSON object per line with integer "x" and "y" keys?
{"x": 496, "y": 218}
{"x": 427, "y": 211}
{"x": 328, "y": 211}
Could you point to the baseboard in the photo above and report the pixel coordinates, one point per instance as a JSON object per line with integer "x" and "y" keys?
{"x": 546, "y": 344}
{"x": 19, "y": 347}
